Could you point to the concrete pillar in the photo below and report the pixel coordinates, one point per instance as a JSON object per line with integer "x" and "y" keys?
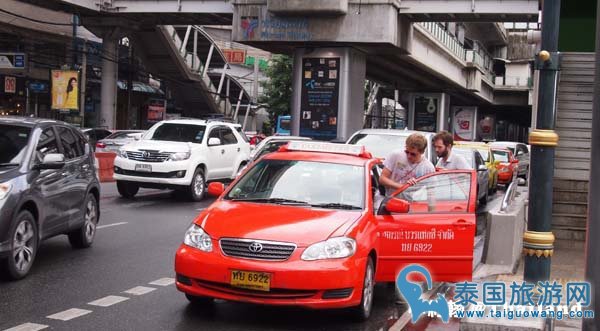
{"x": 328, "y": 92}
{"x": 108, "y": 103}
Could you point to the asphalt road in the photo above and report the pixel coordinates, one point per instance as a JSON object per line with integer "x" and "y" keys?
{"x": 134, "y": 251}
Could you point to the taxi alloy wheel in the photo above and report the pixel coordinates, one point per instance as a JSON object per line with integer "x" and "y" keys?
{"x": 84, "y": 236}
{"x": 363, "y": 311}
{"x": 24, "y": 240}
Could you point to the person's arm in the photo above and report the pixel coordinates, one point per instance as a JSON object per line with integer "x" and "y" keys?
{"x": 387, "y": 181}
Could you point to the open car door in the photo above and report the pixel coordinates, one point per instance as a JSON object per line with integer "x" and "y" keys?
{"x": 431, "y": 223}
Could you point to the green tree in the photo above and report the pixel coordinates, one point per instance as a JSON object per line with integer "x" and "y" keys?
{"x": 278, "y": 88}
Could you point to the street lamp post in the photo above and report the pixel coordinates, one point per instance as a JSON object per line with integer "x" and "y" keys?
{"x": 538, "y": 240}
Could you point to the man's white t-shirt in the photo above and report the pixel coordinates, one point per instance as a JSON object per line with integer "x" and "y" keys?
{"x": 454, "y": 162}
{"x": 402, "y": 170}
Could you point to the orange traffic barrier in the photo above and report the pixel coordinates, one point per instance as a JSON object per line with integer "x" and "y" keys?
{"x": 105, "y": 166}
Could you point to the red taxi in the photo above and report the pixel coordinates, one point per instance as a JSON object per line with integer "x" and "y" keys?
{"x": 309, "y": 226}
{"x": 507, "y": 169}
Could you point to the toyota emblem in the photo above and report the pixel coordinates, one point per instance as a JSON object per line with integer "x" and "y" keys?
{"x": 255, "y": 247}
{"x": 146, "y": 154}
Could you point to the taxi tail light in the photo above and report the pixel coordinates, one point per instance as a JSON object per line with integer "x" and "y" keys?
{"x": 100, "y": 145}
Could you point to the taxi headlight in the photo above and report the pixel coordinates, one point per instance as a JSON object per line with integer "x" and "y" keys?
{"x": 5, "y": 190}
{"x": 334, "y": 248}
{"x": 122, "y": 153}
{"x": 180, "y": 156}
{"x": 197, "y": 238}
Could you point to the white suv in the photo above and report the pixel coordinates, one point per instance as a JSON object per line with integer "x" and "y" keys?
{"x": 181, "y": 155}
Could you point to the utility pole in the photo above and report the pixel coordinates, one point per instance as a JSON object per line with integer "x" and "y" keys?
{"x": 83, "y": 83}
{"x": 592, "y": 263}
{"x": 538, "y": 240}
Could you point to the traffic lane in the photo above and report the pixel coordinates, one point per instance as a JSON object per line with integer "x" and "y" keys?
{"x": 121, "y": 256}
{"x": 167, "y": 309}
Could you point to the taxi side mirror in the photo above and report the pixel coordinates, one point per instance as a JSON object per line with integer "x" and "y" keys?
{"x": 397, "y": 206}
{"x": 215, "y": 189}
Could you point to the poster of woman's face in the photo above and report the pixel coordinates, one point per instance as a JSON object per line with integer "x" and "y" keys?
{"x": 65, "y": 89}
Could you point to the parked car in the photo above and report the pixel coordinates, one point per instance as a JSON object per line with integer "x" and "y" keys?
{"x": 488, "y": 157}
{"x": 302, "y": 227}
{"x": 48, "y": 187}
{"x": 181, "y": 154}
{"x": 477, "y": 162}
{"x": 95, "y": 134}
{"x": 508, "y": 167}
{"x": 118, "y": 139}
{"x": 382, "y": 142}
{"x": 521, "y": 153}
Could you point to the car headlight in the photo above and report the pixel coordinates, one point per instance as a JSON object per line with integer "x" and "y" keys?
{"x": 334, "y": 248}
{"x": 180, "y": 156}
{"x": 122, "y": 153}
{"x": 5, "y": 190}
{"x": 197, "y": 238}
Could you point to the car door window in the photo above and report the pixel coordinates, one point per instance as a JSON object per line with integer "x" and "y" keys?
{"x": 47, "y": 144}
{"x": 443, "y": 193}
{"x": 69, "y": 143}
{"x": 215, "y": 133}
{"x": 81, "y": 142}
{"x": 227, "y": 137}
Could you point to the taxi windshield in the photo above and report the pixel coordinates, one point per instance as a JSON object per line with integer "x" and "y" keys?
{"x": 380, "y": 145}
{"x": 501, "y": 156}
{"x": 303, "y": 183}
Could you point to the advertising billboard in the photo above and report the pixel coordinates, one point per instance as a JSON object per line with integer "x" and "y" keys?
{"x": 65, "y": 89}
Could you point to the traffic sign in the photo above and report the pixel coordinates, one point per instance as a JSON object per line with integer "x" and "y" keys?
{"x": 12, "y": 60}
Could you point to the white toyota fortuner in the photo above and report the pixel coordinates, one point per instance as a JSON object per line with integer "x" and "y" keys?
{"x": 182, "y": 155}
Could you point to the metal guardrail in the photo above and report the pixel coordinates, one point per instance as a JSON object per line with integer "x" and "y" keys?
{"x": 509, "y": 195}
{"x": 445, "y": 37}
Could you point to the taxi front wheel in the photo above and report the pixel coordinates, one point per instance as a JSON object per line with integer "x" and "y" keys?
{"x": 362, "y": 312}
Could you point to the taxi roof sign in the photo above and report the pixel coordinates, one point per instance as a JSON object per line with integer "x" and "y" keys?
{"x": 312, "y": 146}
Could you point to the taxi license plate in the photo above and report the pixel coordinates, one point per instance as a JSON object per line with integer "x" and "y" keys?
{"x": 260, "y": 281}
{"x": 143, "y": 167}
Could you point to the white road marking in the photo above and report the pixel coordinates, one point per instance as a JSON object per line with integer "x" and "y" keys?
{"x": 163, "y": 282}
{"x": 69, "y": 314}
{"x": 139, "y": 290}
{"x": 108, "y": 301}
{"x": 109, "y": 225}
{"x": 28, "y": 327}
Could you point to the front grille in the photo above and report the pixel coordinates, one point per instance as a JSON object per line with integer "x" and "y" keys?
{"x": 271, "y": 251}
{"x": 339, "y": 293}
{"x": 148, "y": 156}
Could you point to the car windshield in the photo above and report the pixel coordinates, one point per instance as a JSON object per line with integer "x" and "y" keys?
{"x": 380, "y": 145}
{"x": 13, "y": 144}
{"x": 270, "y": 147}
{"x": 467, "y": 154}
{"x": 179, "y": 132}
{"x": 501, "y": 156}
{"x": 121, "y": 135}
{"x": 326, "y": 185}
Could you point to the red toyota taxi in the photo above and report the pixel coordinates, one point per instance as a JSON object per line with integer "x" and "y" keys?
{"x": 309, "y": 226}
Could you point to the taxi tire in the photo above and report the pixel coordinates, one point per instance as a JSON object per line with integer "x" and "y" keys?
{"x": 127, "y": 190}
{"x": 191, "y": 191}
{"x": 198, "y": 300}
{"x": 82, "y": 238}
{"x": 361, "y": 313}
{"x": 9, "y": 268}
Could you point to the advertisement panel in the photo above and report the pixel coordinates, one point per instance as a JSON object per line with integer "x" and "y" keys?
{"x": 319, "y": 98}
{"x": 463, "y": 123}
{"x": 235, "y": 56}
{"x": 10, "y": 84}
{"x": 157, "y": 109}
{"x": 426, "y": 113}
{"x": 65, "y": 89}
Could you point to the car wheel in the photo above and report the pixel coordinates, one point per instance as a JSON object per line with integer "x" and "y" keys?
{"x": 198, "y": 300}
{"x": 24, "y": 243}
{"x": 84, "y": 236}
{"x": 126, "y": 189}
{"x": 197, "y": 188}
{"x": 363, "y": 311}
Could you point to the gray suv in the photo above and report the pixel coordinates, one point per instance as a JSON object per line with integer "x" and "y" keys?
{"x": 48, "y": 187}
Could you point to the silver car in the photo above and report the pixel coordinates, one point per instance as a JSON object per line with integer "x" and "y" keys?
{"x": 477, "y": 163}
{"x": 113, "y": 142}
{"x": 381, "y": 142}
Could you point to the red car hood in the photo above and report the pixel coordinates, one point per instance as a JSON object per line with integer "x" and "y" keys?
{"x": 299, "y": 225}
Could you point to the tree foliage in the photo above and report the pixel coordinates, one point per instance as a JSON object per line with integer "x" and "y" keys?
{"x": 277, "y": 92}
